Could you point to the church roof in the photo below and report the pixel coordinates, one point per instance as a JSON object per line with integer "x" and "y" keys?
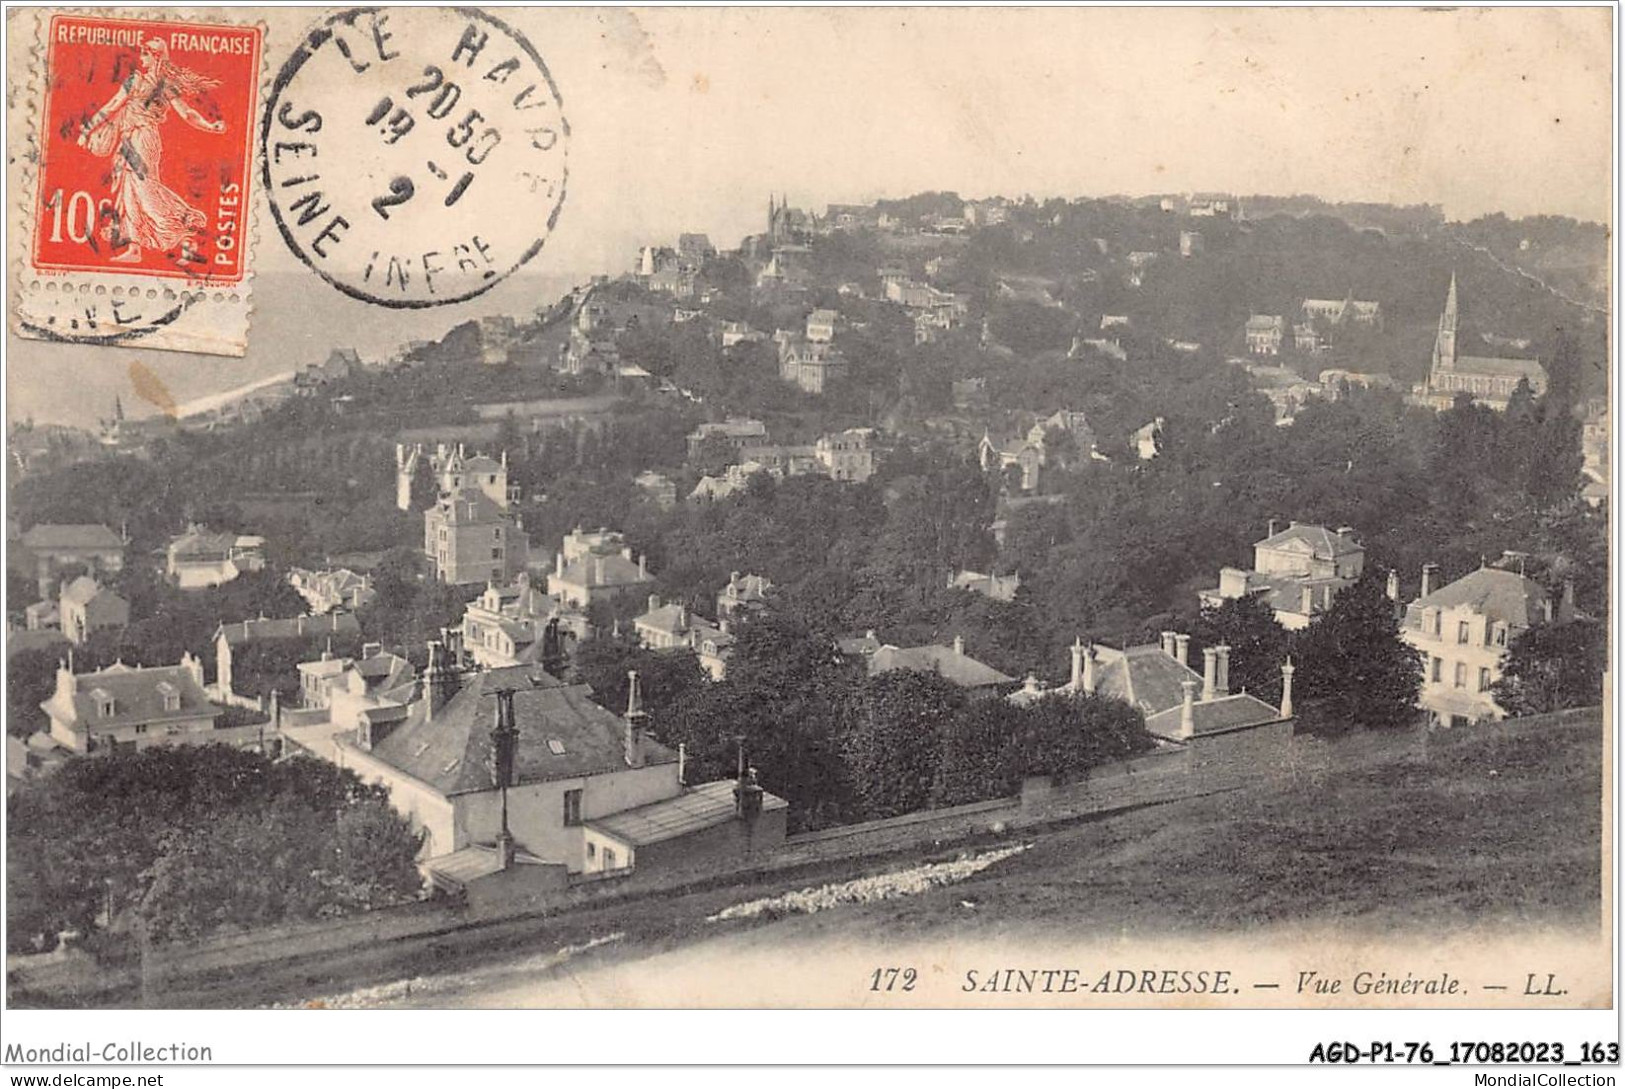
{"x": 1498, "y": 368}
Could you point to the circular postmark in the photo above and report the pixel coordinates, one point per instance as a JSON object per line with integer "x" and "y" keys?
{"x": 414, "y": 157}
{"x": 81, "y": 313}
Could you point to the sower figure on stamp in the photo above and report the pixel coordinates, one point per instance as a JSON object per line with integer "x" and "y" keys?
{"x": 146, "y": 212}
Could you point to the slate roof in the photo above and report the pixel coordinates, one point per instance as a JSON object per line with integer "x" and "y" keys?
{"x": 136, "y": 694}
{"x": 1323, "y": 541}
{"x": 83, "y": 590}
{"x": 696, "y": 809}
{"x": 46, "y": 538}
{"x": 294, "y": 627}
{"x": 1142, "y": 676}
{"x": 1215, "y": 716}
{"x": 1477, "y": 364}
{"x": 451, "y": 752}
{"x": 469, "y": 506}
{"x": 1505, "y": 596}
{"x": 617, "y": 571}
{"x": 959, "y": 668}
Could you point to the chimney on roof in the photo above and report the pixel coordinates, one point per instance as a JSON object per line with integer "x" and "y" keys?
{"x": 1393, "y": 585}
{"x": 558, "y": 564}
{"x": 1271, "y": 533}
{"x": 682, "y": 764}
{"x": 439, "y": 679}
{"x": 1430, "y": 572}
{"x": 959, "y": 644}
{"x": 1187, "y": 708}
{"x": 654, "y": 602}
{"x": 1222, "y": 683}
{"x": 371, "y": 650}
{"x": 634, "y": 721}
{"x": 1287, "y": 669}
{"x": 748, "y": 796}
{"x": 1078, "y": 652}
{"x": 1210, "y": 672}
{"x": 1308, "y": 606}
{"x": 643, "y": 565}
{"x": 1168, "y": 643}
{"x": 1182, "y": 648}
{"x": 1346, "y": 531}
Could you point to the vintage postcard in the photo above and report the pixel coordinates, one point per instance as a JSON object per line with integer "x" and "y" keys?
{"x": 866, "y": 509}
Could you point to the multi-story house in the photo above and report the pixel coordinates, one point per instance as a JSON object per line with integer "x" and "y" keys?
{"x": 1299, "y": 570}
{"x": 584, "y": 576}
{"x": 198, "y": 558}
{"x": 454, "y": 470}
{"x": 740, "y": 433}
{"x": 518, "y": 624}
{"x": 821, "y": 325}
{"x": 674, "y": 627}
{"x": 847, "y": 455}
{"x": 469, "y": 540}
{"x": 46, "y": 549}
{"x": 1264, "y": 333}
{"x": 810, "y": 364}
{"x": 302, "y": 635}
{"x": 1463, "y": 630}
{"x": 87, "y": 607}
{"x": 126, "y": 708}
{"x": 743, "y": 595}
{"x": 375, "y": 688}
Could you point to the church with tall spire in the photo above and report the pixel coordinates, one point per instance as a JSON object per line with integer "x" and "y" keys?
{"x": 1490, "y": 381}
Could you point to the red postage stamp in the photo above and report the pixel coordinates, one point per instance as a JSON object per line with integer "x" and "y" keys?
{"x": 144, "y": 141}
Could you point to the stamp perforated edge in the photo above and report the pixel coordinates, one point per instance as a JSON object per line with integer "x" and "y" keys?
{"x": 209, "y": 319}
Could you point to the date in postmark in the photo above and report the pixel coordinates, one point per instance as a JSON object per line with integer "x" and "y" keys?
{"x": 414, "y": 157}
{"x": 138, "y": 224}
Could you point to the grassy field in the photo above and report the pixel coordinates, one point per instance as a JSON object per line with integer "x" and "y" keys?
{"x": 1498, "y": 825}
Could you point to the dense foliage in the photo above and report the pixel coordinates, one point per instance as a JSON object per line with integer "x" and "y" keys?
{"x": 195, "y": 839}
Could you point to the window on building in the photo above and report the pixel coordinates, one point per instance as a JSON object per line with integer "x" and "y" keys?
{"x": 1500, "y": 635}
{"x": 572, "y": 809}
{"x": 1483, "y": 679}
{"x": 141, "y": 727}
{"x": 496, "y": 532}
{"x": 609, "y": 858}
{"x": 1461, "y": 674}
{"x": 1438, "y": 670}
{"x": 1461, "y": 631}
{"x": 592, "y": 850}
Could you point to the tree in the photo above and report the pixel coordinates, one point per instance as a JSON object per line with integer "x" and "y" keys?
{"x": 1553, "y": 667}
{"x": 712, "y": 455}
{"x": 425, "y": 489}
{"x": 197, "y": 838}
{"x": 1353, "y": 662}
{"x": 892, "y": 739}
{"x": 979, "y": 759}
{"x": 1258, "y": 644}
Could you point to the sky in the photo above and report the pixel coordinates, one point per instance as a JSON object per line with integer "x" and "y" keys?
{"x": 687, "y": 119}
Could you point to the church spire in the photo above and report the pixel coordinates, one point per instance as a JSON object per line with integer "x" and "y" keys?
{"x": 1444, "y": 344}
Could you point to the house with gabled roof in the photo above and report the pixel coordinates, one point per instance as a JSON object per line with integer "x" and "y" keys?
{"x": 951, "y": 663}
{"x": 1182, "y": 708}
{"x": 127, "y": 707}
{"x": 87, "y": 607}
{"x": 1299, "y": 570}
{"x": 45, "y": 549}
{"x": 1463, "y": 630}
{"x": 200, "y": 558}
